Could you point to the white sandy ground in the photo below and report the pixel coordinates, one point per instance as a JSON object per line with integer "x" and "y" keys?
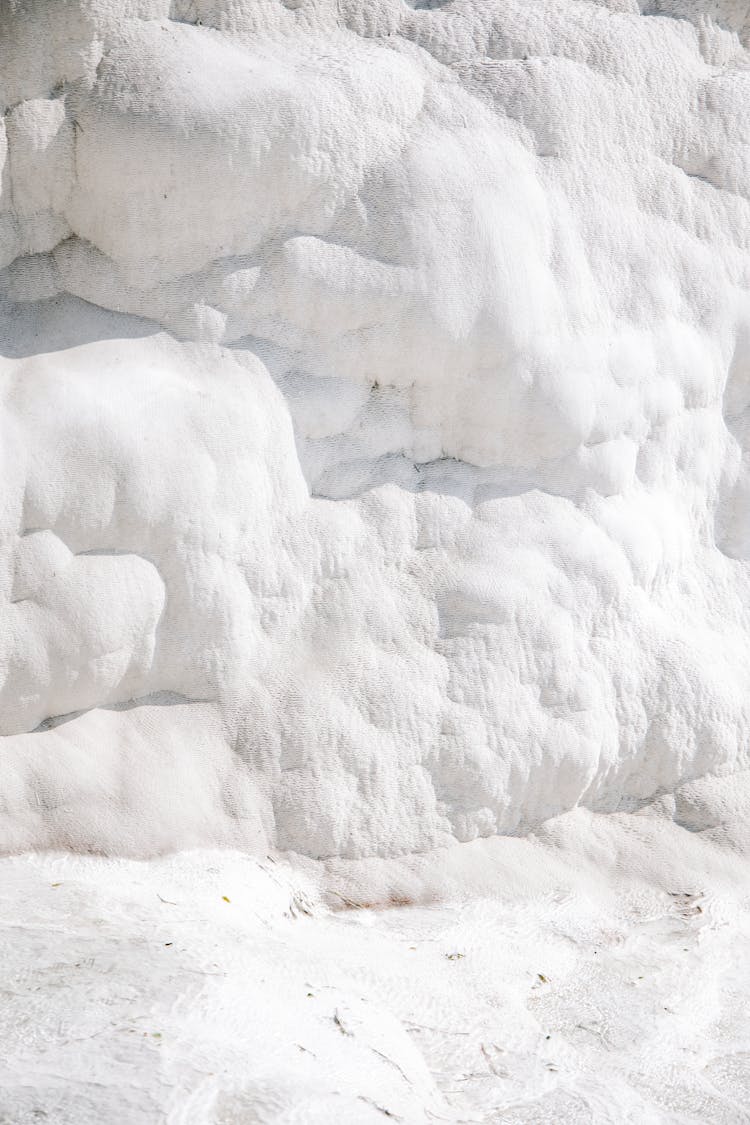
{"x": 211, "y": 987}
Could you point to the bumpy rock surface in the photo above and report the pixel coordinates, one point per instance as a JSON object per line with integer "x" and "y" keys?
{"x": 375, "y": 417}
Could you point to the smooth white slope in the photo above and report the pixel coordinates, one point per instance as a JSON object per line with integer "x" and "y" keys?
{"x": 374, "y": 393}
{"x": 209, "y": 989}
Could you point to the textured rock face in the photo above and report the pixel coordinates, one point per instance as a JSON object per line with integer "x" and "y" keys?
{"x": 375, "y": 416}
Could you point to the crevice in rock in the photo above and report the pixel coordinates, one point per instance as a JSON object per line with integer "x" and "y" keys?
{"x": 154, "y": 699}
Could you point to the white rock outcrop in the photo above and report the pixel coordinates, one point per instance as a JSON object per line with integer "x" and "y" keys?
{"x": 375, "y": 414}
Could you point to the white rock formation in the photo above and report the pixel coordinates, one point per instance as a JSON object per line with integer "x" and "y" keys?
{"x": 375, "y": 417}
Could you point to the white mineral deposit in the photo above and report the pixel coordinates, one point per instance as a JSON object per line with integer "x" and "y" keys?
{"x": 374, "y": 562}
